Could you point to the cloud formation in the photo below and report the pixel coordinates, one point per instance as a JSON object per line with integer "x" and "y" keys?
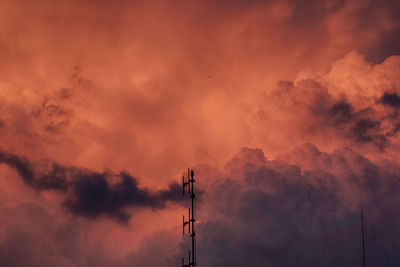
{"x": 352, "y": 105}
{"x": 152, "y": 87}
{"x": 178, "y": 88}
{"x": 92, "y": 194}
{"x": 302, "y": 209}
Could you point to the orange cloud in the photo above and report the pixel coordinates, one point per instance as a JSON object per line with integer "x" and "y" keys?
{"x": 151, "y": 87}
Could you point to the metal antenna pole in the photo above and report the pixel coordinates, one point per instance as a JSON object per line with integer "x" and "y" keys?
{"x": 362, "y": 237}
{"x": 191, "y": 221}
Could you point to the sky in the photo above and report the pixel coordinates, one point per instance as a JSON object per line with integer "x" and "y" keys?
{"x": 286, "y": 110}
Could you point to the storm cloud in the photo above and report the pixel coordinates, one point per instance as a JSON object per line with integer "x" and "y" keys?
{"x": 90, "y": 88}
{"x": 302, "y": 209}
{"x": 91, "y": 194}
{"x": 390, "y": 99}
{"x": 335, "y": 109}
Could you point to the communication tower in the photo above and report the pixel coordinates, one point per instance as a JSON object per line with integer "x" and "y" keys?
{"x": 189, "y": 184}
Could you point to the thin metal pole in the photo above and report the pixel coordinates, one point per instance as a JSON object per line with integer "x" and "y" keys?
{"x": 362, "y": 237}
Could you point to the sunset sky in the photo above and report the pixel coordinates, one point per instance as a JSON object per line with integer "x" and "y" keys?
{"x": 287, "y": 110}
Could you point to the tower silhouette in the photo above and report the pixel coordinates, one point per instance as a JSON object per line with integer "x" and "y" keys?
{"x": 191, "y": 221}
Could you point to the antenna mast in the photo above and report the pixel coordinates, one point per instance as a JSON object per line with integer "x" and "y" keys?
{"x": 191, "y": 221}
{"x": 362, "y": 237}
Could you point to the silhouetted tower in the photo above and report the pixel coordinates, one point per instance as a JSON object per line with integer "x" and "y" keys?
{"x": 362, "y": 237}
{"x": 191, "y": 221}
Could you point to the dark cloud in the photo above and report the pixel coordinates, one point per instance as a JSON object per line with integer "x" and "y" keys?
{"x": 341, "y": 112}
{"x": 362, "y": 126}
{"x": 358, "y": 125}
{"x": 55, "y": 178}
{"x": 365, "y": 125}
{"x": 21, "y": 165}
{"x": 92, "y": 194}
{"x": 302, "y": 210}
{"x": 390, "y": 99}
{"x": 313, "y": 111}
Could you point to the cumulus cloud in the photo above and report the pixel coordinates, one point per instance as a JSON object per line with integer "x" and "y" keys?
{"x": 352, "y": 105}
{"x": 169, "y": 84}
{"x": 152, "y": 87}
{"x": 302, "y": 209}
